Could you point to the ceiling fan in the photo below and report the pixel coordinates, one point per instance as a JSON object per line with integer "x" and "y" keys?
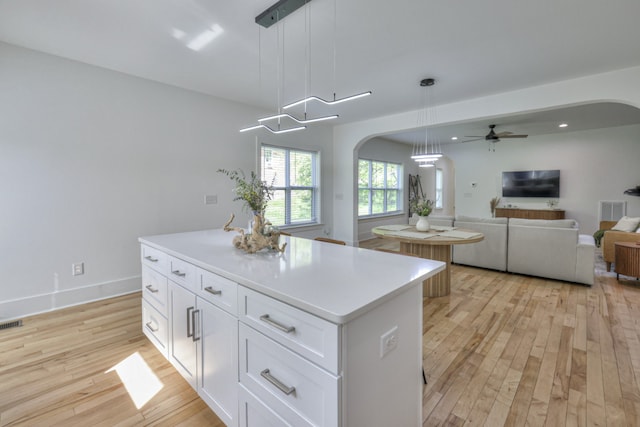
{"x": 492, "y": 136}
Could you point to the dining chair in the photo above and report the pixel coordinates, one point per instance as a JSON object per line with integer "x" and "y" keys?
{"x": 328, "y": 240}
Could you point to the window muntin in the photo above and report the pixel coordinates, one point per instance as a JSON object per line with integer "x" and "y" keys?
{"x": 379, "y": 187}
{"x": 294, "y": 175}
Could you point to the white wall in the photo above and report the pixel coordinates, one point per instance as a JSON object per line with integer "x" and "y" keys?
{"x": 594, "y": 165}
{"x": 92, "y": 159}
{"x": 615, "y": 86}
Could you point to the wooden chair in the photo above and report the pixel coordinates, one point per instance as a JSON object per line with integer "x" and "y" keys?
{"x": 328, "y": 240}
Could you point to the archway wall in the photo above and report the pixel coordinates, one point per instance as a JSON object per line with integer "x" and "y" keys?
{"x": 616, "y": 86}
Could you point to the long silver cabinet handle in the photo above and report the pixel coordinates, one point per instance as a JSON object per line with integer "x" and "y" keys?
{"x": 288, "y": 329}
{"x": 148, "y": 324}
{"x": 213, "y": 291}
{"x": 150, "y": 288}
{"x": 276, "y": 382}
{"x": 190, "y": 322}
{"x": 178, "y": 273}
{"x": 194, "y": 323}
{"x": 150, "y": 258}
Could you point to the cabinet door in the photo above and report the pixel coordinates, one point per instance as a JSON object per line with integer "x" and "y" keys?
{"x": 218, "y": 361}
{"x": 182, "y": 348}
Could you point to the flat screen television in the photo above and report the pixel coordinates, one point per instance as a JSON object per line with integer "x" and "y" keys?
{"x": 545, "y": 183}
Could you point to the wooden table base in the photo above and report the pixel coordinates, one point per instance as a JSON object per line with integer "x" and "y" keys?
{"x": 440, "y": 284}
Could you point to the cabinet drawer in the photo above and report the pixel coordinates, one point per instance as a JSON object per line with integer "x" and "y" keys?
{"x": 154, "y": 289}
{"x": 218, "y": 290}
{"x": 254, "y": 413}
{"x": 154, "y": 326}
{"x": 154, "y": 258}
{"x": 308, "y": 335}
{"x": 296, "y": 389}
{"x": 183, "y": 273}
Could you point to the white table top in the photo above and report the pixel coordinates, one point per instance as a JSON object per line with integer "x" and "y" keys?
{"x": 337, "y": 283}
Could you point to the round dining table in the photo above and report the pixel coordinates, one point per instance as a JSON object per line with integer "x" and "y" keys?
{"x": 433, "y": 244}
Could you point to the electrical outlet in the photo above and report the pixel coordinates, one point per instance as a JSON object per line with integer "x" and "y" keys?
{"x": 77, "y": 269}
{"x": 211, "y": 199}
{"x": 388, "y": 341}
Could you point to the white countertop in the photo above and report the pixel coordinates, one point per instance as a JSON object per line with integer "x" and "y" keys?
{"x": 337, "y": 283}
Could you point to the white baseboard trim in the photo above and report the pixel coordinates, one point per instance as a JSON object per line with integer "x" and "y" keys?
{"x": 18, "y": 308}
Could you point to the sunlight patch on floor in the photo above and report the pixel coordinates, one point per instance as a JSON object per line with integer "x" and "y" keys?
{"x": 138, "y": 379}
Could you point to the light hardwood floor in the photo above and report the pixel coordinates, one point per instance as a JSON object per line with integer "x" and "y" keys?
{"x": 502, "y": 349}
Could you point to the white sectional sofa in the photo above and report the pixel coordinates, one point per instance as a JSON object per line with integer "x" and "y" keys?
{"x": 550, "y": 248}
{"x": 545, "y": 248}
{"x": 490, "y": 252}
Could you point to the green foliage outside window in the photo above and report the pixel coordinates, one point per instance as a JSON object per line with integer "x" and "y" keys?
{"x": 295, "y": 182}
{"x": 378, "y": 187}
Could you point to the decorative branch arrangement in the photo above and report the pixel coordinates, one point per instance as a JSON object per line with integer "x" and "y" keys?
{"x": 252, "y": 243}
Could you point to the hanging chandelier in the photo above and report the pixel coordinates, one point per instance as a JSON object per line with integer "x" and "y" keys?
{"x": 273, "y": 15}
{"x": 426, "y": 155}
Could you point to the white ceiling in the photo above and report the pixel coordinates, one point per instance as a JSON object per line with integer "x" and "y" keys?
{"x": 473, "y": 48}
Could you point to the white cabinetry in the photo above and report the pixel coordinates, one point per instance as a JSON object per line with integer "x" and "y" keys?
{"x": 190, "y": 315}
{"x": 294, "y": 339}
{"x": 183, "y": 336}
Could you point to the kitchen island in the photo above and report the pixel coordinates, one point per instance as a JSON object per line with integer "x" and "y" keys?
{"x": 321, "y": 334}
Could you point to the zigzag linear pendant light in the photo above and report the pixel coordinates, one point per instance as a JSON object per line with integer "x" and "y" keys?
{"x": 267, "y": 18}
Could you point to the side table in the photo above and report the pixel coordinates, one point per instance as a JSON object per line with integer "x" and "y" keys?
{"x": 627, "y": 259}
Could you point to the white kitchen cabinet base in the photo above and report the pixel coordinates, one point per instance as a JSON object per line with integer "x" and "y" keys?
{"x": 306, "y": 347}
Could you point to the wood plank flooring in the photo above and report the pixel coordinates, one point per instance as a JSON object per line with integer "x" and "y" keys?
{"x": 55, "y": 371}
{"x": 502, "y": 349}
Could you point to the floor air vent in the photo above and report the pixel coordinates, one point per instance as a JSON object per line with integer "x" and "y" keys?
{"x": 14, "y": 324}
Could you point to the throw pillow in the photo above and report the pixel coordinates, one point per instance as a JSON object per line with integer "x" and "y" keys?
{"x": 626, "y": 223}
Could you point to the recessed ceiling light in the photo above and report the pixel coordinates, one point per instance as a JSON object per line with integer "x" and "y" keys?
{"x": 454, "y": 138}
{"x": 563, "y": 125}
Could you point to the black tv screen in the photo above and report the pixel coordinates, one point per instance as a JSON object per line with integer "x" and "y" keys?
{"x": 531, "y": 183}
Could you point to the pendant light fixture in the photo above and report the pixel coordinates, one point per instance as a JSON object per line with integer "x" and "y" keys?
{"x": 422, "y": 154}
{"x": 279, "y": 86}
{"x": 335, "y": 100}
{"x": 271, "y": 16}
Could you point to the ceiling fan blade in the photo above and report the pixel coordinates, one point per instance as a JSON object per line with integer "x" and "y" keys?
{"x": 512, "y": 136}
{"x": 474, "y": 136}
{"x": 471, "y": 140}
{"x": 505, "y": 133}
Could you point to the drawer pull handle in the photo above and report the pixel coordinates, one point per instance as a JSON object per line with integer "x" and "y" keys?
{"x": 194, "y": 324}
{"x": 148, "y": 324}
{"x": 150, "y": 288}
{"x": 288, "y": 329}
{"x": 276, "y": 382}
{"x": 213, "y": 291}
{"x": 178, "y": 273}
{"x": 190, "y": 319}
{"x": 150, "y": 258}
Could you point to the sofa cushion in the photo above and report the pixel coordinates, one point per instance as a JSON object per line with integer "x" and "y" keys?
{"x": 463, "y": 218}
{"x": 553, "y": 223}
{"x": 627, "y": 224}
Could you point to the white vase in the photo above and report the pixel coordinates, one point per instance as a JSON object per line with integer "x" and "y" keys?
{"x": 422, "y": 224}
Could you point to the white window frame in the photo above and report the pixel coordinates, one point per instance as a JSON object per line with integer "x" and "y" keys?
{"x": 370, "y": 189}
{"x": 288, "y": 188}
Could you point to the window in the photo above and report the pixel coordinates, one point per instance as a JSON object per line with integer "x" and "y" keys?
{"x": 439, "y": 188}
{"x": 294, "y": 176}
{"x": 379, "y": 187}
